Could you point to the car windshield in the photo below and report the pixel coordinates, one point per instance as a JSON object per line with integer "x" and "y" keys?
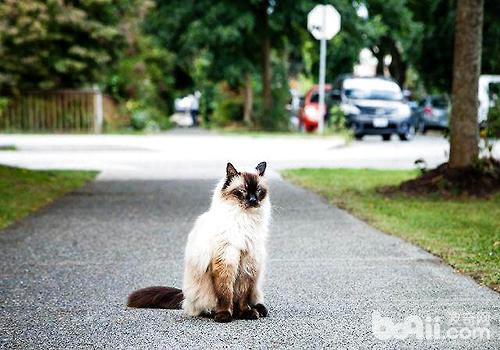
{"x": 439, "y": 103}
{"x": 315, "y": 97}
{"x": 362, "y": 94}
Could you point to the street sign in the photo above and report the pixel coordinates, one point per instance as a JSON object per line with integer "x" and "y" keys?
{"x": 323, "y": 22}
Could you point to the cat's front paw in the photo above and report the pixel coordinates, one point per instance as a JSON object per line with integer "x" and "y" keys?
{"x": 249, "y": 314}
{"x": 223, "y": 316}
{"x": 261, "y": 310}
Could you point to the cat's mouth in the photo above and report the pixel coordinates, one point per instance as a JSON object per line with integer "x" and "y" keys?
{"x": 251, "y": 205}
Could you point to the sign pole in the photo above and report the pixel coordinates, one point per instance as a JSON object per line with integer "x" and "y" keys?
{"x": 322, "y": 66}
{"x": 323, "y": 21}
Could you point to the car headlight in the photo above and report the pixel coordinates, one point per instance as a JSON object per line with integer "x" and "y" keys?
{"x": 349, "y": 109}
{"x": 312, "y": 113}
{"x": 404, "y": 111}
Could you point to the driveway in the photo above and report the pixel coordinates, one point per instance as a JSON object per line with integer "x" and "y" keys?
{"x": 67, "y": 269}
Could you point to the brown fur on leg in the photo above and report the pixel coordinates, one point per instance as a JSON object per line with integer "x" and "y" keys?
{"x": 223, "y": 277}
{"x": 244, "y": 288}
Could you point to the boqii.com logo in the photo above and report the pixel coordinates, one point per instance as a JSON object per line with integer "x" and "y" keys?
{"x": 461, "y": 326}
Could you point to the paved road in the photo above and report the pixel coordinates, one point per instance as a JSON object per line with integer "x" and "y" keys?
{"x": 66, "y": 270}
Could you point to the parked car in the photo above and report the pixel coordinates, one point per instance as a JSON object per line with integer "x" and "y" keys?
{"x": 487, "y": 84}
{"x": 433, "y": 113}
{"x": 309, "y": 112}
{"x": 374, "y": 106}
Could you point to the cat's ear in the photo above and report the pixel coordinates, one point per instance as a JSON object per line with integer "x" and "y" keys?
{"x": 261, "y": 168}
{"x": 231, "y": 171}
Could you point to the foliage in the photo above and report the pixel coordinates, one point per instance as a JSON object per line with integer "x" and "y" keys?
{"x": 280, "y": 95}
{"x": 53, "y": 43}
{"x": 227, "y": 106}
{"x": 464, "y": 233}
{"x": 4, "y": 102}
{"x": 343, "y": 50}
{"x": 490, "y": 63}
{"x": 434, "y": 59}
{"x": 397, "y": 35}
{"x": 150, "y": 51}
{"x": 142, "y": 78}
{"x": 337, "y": 118}
{"x": 23, "y": 191}
{"x": 224, "y": 38}
{"x": 494, "y": 121}
{"x": 491, "y": 133}
{"x": 8, "y": 148}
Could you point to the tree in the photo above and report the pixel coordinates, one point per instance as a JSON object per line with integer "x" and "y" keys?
{"x": 398, "y": 35}
{"x": 434, "y": 60}
{"x": 50, "y": 43}
{"x": 234, "y": 38}
{"x": 464, "y": 148}
{"x": 142, "y": 75}
{"x": 343, "y": 50}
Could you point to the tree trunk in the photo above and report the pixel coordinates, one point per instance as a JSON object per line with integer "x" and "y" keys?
{"x": 248, "y": 104}
{"x": 398, "y": 67}
{"x": 380, "y": 61}
{"x": 464, "y": 149}
{"x": 266, "y": 61}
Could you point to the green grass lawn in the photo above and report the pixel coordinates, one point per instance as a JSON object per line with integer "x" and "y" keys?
{"x": 464, "y": 232}
{"x": 23, "y": 191}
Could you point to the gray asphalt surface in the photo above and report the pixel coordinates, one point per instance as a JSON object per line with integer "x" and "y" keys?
{"x": 66, "y": 271}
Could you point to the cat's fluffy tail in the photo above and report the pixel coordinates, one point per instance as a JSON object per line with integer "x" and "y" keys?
{"x": 156, "y": 298}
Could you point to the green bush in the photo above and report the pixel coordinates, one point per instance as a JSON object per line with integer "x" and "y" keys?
{"x": 278, "y": 118}
{"x": 4, "y": 101}
{"x": 227, "y": 106}
{"x": 228, "y": 111}
{"x": 139, "y": 119}
{"x": 149, "y": 119}
{"x": 493, "y": 123}
{"x": 337, "y": 119}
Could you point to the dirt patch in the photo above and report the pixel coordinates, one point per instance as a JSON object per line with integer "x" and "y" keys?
{"x": 481, "y": 180}
{"x": 495, "y": 286}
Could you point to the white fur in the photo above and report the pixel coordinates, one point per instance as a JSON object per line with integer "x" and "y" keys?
{"x": 225, "y": 230}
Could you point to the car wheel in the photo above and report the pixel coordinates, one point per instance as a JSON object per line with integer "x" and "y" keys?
{"x": 410, "y": 134}
{"x": 386, "y": 137}
{"x": 302, "y": 126}
{"x": 421, "y": 127}
{"x": 358, "y": 136}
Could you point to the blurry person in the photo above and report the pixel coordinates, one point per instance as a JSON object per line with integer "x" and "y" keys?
{"x": 194, "y": 109}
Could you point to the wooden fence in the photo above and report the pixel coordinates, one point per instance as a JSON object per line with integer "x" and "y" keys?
{"x": 59, "y": 111}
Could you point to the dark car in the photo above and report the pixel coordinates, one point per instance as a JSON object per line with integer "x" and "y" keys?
{"x": 433, "y": 113}
{"x": 374, "y": 106}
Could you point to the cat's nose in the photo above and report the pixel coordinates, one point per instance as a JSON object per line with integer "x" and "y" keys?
{"x": 252, "y": 199}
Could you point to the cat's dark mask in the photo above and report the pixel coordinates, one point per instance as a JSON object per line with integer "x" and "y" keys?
{"x": 248, "y": 189}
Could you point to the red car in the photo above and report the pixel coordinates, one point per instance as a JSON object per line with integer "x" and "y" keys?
{"x": 309, "y": 112}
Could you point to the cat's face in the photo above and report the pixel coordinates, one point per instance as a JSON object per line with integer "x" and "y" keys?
{"x": 246, "y": 189}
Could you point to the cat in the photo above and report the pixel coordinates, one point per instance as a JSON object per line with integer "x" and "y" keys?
{"x": 225, "y": 254}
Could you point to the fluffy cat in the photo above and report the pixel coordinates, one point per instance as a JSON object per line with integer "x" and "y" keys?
{"x": 225, "y": 254}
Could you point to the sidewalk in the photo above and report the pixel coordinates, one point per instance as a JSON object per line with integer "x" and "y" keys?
{"x": 66, "y": 272}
